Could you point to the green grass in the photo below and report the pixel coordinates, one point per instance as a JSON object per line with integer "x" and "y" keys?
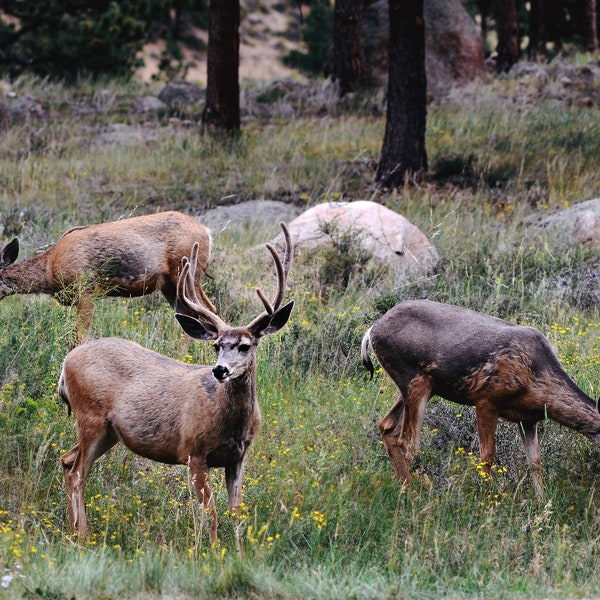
{"x": 323, "y": 516}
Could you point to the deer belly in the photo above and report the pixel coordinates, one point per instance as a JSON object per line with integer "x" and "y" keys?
{"x": 151, "y": 441}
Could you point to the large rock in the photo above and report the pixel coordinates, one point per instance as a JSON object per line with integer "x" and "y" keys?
{"x": 252, "y": 212}
{"x": 453, "y": 45}
{"x": 385, "y": 236}
{"x": 179, "y": 93}
{"x": 578, "y": 224}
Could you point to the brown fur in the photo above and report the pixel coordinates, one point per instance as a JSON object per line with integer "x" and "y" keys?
{"x": 165, "y": 410}
{"x": 130, "y": 257}
{"x": 502, "y": 369}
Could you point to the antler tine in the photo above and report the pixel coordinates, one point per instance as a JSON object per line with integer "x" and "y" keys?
{"x": 287, "y": 259}
{"x": 282, "y": 268}
{"x": 191, "y": 278}
{"x": 193, "y": 304}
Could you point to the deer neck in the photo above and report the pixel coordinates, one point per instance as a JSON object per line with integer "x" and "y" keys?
{"x": 572, "y": 407}
{"x": 241, "y": 394}
{"x": 29, "y": 277}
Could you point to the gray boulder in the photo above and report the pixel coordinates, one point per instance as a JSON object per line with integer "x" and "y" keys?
{"x": 577, "y": 224}
{"x": 385, "y": 236}
{"x": 252, "y": 212}
{"x": 180, "y": 93}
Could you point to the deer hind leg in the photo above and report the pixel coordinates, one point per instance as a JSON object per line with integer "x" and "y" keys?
{"x": 487, "y": 423}
{"x": 200, "y": 475}
{"x": 419, "y": 392}
{"x": 76, "y": 464}
{"x": 529, "y": 437}
{"x": 391, "y": 428}
{"x": 68, "y": 459}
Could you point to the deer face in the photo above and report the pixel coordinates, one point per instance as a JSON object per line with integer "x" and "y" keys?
{"x": 8, "y": 255}
{"x": 236, "y": 354}
{"x": 235, "y": 346}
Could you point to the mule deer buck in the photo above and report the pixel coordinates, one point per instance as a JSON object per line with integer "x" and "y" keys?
{"x": 502, "y": 369}
{"x": 168, "y": 411}
{"x": 130, "y": 257}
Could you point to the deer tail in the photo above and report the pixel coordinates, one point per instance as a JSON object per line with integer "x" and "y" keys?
{"x": 62, "y": 392}
{"x": 365, "y": 346}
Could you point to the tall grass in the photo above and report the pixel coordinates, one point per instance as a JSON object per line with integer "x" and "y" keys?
{"x": 323, "y": 516}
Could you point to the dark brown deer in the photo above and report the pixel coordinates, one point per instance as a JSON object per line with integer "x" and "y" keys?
{"x": 130, "y": 257}
{"x": 502, "y": 369}
{"x": 168, "y": 411}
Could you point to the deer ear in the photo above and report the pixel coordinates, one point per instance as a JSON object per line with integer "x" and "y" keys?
{"x": 9, "y": 253}
{"x": 272, "y": 323}
{"x": 199, "y": 330}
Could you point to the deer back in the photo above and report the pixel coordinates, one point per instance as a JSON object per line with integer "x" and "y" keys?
{"x": 131, "y": 256}
{"x": 468, "y": 356}
{"x": 133, "y": 253}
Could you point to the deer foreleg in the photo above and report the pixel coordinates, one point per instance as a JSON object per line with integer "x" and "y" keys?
{"x": 85, "y": 314}
{"x": 529, "y": 437}
{"x": 200, "y": 475}
{"x": 391, "y": 428}
{"x": 487, "y": 422}
{"x": 233, "y": 479}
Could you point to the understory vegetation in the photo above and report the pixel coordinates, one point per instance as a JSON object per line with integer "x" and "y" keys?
{"x": 323, "y": 516}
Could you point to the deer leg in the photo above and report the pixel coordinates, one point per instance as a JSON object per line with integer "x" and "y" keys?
{"x": 85, "y": 314}
{"x": 529, "y": 437}
{"x": 419, "y": 392}
{"x": 76, "y": 464}
{"x": 200, "y": 475}
{"x": 233, "y": 479}
{"x": 487, "y": 422}
{"x": 391, "y": 428}
{"x": 68, "y": 460}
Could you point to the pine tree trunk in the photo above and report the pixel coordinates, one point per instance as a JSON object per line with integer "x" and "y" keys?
{"x": 403, "y": 153}
{"x": 348, "y": 54}
{"x": 507, "y": 25}
{"x": 537, "y": 30}
{"x": 222, "y": 109}
{"x": 591, "y": 26}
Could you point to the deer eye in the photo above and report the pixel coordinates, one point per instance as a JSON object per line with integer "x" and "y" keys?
{"x": 216, "y": 347}
{"x": 244, "y": 348}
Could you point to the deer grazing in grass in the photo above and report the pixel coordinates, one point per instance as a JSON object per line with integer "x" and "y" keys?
{"x": 502, "y": 369}
{"x": 169, "y": 411}
{"x": 130, "y": 257}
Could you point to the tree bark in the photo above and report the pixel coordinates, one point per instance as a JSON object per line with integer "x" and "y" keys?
{"x": 590, "y": 33}
{"x": 347, "y": 65}
{"x": 403, "y": 153}
{"x": 507, "y": 26}
{"x": 222, "y": 109}
{"x": 537, "y": 30}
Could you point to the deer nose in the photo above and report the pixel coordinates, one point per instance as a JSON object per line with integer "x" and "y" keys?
{"x": 220, "y": 372}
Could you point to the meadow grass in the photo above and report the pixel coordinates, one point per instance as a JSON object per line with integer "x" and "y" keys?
{"x": 323, "y": 516}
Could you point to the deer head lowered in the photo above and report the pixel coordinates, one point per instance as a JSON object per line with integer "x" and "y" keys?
{"x": 129, "y": 257}
{"x": 502, "y": 369}
{"x": 168, "y": 411}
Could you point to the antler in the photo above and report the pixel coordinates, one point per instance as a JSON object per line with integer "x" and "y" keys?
{"x": 203, "y": 308}
{"x": 283, "y": 269}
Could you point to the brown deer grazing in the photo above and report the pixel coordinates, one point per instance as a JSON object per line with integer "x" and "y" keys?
{"x": 169, "y": 411}
{"x": 502, "y": 369}
{"x": 130, "y": 257}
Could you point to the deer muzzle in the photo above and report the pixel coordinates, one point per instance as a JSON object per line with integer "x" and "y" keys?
{"x": 221, "y": 373}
